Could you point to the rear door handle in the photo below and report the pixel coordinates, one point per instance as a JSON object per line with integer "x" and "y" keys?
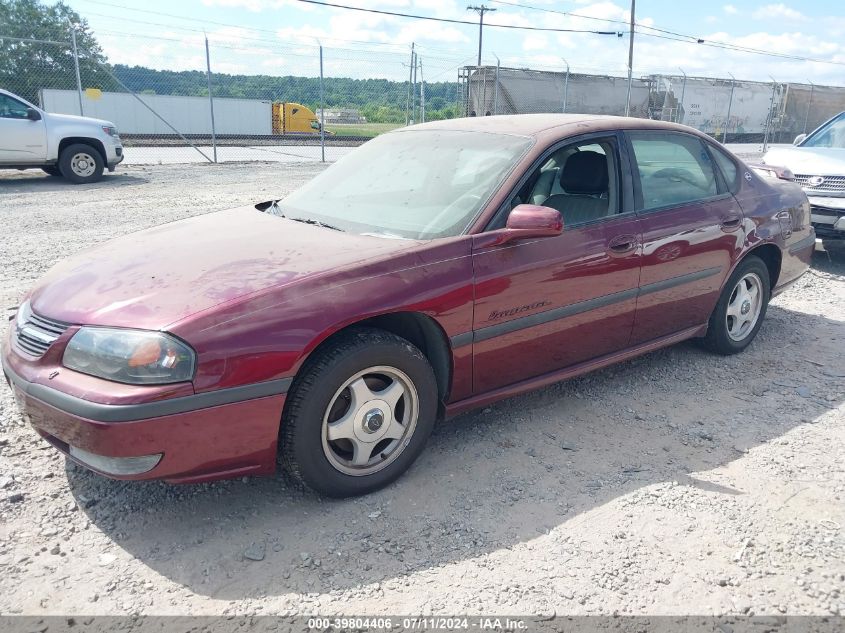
{"x": 622, "y": 244}
{"x": 731, "y": 221}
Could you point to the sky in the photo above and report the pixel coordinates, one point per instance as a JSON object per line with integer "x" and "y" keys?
{"x": 279, "y": 37}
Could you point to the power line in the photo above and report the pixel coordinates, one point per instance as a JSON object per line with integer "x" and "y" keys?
{"x": 742, "y": 49}
{"x": 677, "y": 37}
{"x": 454, "y": 21}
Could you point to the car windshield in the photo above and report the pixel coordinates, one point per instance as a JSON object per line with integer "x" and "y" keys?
{"x": 414, "y": 184}
{"x": 830, "y": 135}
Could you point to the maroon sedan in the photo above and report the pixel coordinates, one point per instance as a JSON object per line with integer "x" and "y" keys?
{"x": 435, "y": 269}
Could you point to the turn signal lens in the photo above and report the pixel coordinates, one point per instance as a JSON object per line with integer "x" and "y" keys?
{"x": 145, "y": 354}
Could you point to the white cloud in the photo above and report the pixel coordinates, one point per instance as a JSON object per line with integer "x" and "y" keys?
{"x": 777, "y": 11}
{"x": 730, "y": 9}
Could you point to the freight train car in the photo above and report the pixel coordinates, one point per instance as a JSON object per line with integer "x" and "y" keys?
{"x": 745, "y": 110}
{"x": 488, "y": 90}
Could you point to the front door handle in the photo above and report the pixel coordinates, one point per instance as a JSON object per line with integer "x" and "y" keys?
{"x": 622, "y": 244}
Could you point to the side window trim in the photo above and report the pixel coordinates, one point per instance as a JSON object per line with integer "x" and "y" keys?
{"x": 639, "y": 203}
{"x": 626, "y": 199}
{"x": 729, "y": 187}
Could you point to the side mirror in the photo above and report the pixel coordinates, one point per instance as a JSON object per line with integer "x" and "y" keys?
{"x": 799, "y": 139}
{"x": 32, "y": 114}
{"x": 528, "y": 221}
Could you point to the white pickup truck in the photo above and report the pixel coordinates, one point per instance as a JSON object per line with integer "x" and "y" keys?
{"x": 76, "y": 147}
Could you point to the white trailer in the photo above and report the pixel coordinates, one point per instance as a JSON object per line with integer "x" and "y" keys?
{"x": 189, "y": 115}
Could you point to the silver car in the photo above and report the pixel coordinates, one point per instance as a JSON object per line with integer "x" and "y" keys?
{"x": 818, "y": 163}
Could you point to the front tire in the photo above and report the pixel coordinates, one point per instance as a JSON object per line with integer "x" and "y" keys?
{"x": 81, "y": 164}
{"x": 52, "y": 170}
{"x": 359, "y": 413}
{"x": 741, "y": 308}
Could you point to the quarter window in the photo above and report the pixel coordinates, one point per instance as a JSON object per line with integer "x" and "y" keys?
{"x": 11, "y": 108}
{"x": 673, "y": 169}
{"x": 727, "y": 167}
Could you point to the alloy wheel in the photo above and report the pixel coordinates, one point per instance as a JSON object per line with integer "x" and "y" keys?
{"x": 370, "y": 420}
{"x": 744, "y": 306}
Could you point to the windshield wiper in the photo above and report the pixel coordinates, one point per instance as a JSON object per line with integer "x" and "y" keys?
{"x": 316, "y": 223}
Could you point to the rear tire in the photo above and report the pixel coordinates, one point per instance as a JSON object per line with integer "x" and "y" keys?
{"x": 741, "y": 308}
{"x": 52, "y": 170}
{"x": 80, "y": 164}
{"x": 358, "y": 414}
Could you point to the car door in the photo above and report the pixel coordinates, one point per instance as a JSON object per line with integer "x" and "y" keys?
{"x": 548, "y": 303}
{"x": 692, "y": 231}
{"x": 22, "y": 140}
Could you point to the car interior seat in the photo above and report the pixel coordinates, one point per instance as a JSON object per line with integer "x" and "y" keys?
{"x": 584, "y": 180}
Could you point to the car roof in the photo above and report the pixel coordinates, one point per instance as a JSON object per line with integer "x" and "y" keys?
{"x": 535, "y": 125}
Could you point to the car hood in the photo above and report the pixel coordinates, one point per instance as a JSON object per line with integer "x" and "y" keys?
{"x": 71, "y": 118}
{"x": 809, "y": 161}
{"x": 156, "y": 277}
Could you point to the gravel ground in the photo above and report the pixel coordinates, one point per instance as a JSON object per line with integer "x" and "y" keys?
{"x": 676, "y": 483}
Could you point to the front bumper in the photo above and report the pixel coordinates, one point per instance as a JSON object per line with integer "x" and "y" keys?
{"x": 114, "y": 151}
{"x": 828, "y": 217}
{"x": 181, "y": 439}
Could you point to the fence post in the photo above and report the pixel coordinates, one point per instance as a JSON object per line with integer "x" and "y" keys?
{"x": 422, "y": 94}
{"x": 565, "y": 85}
{"x": 679, "y": 118}
{"x": 322, "y": 112}
{"x": 496, "y": 90}
{"x": 730, "y": 103}
{"x": 210, "y": 100}
{"x": 410, "y": 76}
{"x": 76, "y": 67}
{"x": 809, "y": 105}
{"x": 769, "y": 119}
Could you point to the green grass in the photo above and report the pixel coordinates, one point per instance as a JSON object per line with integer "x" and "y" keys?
{"x": 360, "y": 129}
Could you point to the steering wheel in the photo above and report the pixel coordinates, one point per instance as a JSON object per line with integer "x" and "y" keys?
{"x": 466, "y": 201}
{"x": 677, "y": 174}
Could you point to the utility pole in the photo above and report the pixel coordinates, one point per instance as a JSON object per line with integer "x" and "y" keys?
{"x": 630, "y": 60}
{"x": 480, "y": 11}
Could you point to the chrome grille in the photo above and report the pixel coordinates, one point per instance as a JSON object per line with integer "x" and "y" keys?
{"x": 33, "y": 333}
{"x": 830, "y": 184}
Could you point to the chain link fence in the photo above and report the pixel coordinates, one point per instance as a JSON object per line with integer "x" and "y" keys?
{"x": 730, "y": 110}
{"x": 189, "y": 99}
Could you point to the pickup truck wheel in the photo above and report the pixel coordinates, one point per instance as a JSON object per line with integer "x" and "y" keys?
{"x": 52, "y": 170}
{"x": 358, "y": 414}
{"x": 741, "y": 308}
{"x": 81, "y": 163}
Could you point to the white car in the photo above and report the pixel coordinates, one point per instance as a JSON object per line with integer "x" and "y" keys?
{"x": 818, "y": 164}
{"x": 78, "y": 148}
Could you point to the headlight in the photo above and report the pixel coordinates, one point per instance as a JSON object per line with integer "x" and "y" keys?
{"x": 110, "y": 130}
{"x": 130, "y": 356}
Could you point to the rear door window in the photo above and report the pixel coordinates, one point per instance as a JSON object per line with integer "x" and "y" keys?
{"x": 674, "y": 169}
